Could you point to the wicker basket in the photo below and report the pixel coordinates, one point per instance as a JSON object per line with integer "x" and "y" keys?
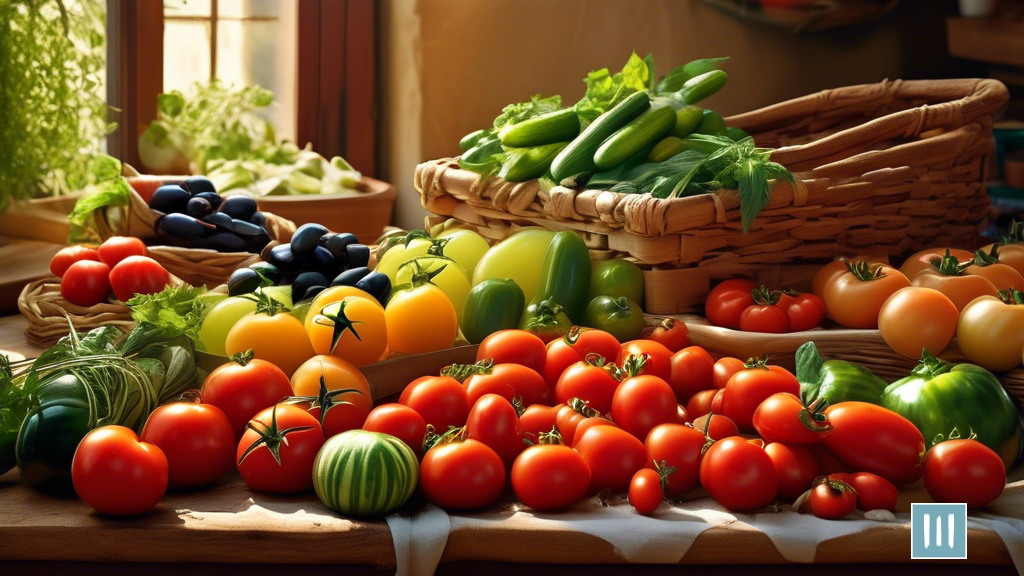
{"x": 881, "y": 168}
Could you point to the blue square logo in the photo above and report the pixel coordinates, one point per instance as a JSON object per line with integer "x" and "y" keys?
{"x": 938, "y": 531}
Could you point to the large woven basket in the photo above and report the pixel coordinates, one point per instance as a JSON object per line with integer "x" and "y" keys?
{"x": 881, "y": 168}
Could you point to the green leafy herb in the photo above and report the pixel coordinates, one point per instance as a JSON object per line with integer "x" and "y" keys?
{"x": 516, "y": 113}
{"x": 107, "y": 188}
{"x": 605, "y": 90}
{"x": 175, "y": 311}
{"x": 14, "y": 406}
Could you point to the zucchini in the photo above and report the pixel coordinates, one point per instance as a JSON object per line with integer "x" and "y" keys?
{"x": 564, "y": 278}
{"x": 687, "y": 120}
{"x": 524, "y": 164}
{"x": 557, "y": 126}
{"x": 652, "y": 125}
{"x": 472, "y": 139}
{"x": 666, "y": 148}
{"x": 700, "y": 87}
{"x": 711, "y": 123}
{"x": 578, "y": 156}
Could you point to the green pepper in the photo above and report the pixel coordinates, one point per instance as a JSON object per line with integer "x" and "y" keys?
{"x": 616, "y": 278}
{"x": 564, "y": 277}
{"x": 492, "y": 305}
{"x": 835, "y": 380}
{"x": 946, "y": 401}
{"x": 620, "y": 317}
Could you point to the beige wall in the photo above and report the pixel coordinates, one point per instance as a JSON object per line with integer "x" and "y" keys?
{"x": 450, "y": 66}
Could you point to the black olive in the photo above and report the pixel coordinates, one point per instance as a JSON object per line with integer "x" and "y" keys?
{"x": 259, "y": 219}
{"x": 282, "y": 257}
{"x": 337, "y": 244}
{"x": 244, "y": 228}
{"x": 322, "y": 261}
{"x": 226, "y": 242}
{"x": 313, "y": 292}
{"x": 198, "y": 185}
{"x": 307, "y": 237}
{"x": 358, "y": 255}
{"x": 212, "y": 197}
{"x": 257, "y": 243}
{"x": 268, "y": 270}
{"x": 239, "y": 206}
{"x": 350, "y": 277}
{"x": 219, "y": 219}
{"x": 243, "y": 281}
{"x": 182, "y": 225}
{"x": 304, "y": 282}
{"x": 198, "y": 207}
{"x": 169, "y": 199}
{"x": 377, "y": 284}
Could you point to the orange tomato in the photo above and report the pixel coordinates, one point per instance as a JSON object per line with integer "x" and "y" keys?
{"x": 1002, "y": 276}
{"x": 951, "y": 280}
{"x": 1010, "y": 254}
{"x": 836, "y": 268}
{"x": 421, "y": 320}
{"x": 915, "y": 319}
{"x": 923, "y": 260}
{"x": 335, "y": 294}
{"x": 854, "y": 298}
{"x": 363, "y": 333}
{"x": 338, "y": 374}
{"x": 279, "y": 339}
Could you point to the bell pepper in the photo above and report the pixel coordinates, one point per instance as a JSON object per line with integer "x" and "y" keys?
{"x": 835, "y": 380}
{"x": 946, "y": 401}
{"x": 492, "y": 305}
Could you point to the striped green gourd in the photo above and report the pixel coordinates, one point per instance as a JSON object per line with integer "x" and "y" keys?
{"x": 363, "y": 473}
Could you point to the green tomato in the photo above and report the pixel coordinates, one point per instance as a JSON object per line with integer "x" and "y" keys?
{"x": 616, "y": 278}
{"x": 465, "y": 247}
{"x": 282, "y": 294}
{"x": 450, "y": 278}
{"x": 620, "y": 317}
{"x": 518, "y": 258}
{"x": 219, "y": 320}
{"x": 393, "y": 259}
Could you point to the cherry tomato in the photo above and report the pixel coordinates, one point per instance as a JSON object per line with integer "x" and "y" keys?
{"x": 784, "y": 418}
{"x": 85, "y": 283}
{"x": 872, "y": 439}
{"x": 117, "y": 248}
{"x": 805, "y": 311}
{"x": 721, "y": 426}
{"x": 462, "y": 475}
{"x": 659, "y": 358}
{"x": 514, "y": 347}
{"x": 671, "y": 334}
{"x": 550, "y": 477}
{"x": 244, "y": 387}
{"x": 700, "y": 403}
{"x": 294, "y": 435}
{"x": 739, "y": 475}
{"x": 399, "y": 421}
{"x": 440, "y": 400}
{"x": 964, "y": 471}
{"x": 680, "y": 447}
{"x": 764, "y": 318}
{"x": 352, "y": 329}
{"x": 642, "y": 402}
{"x": 692, "y": 371}
{"x": 854, "y": 298}
{"x": 873, "y": 491}
{"x": 833, "y": 500}
{"x": 751, "y": 386}
{"x": 574, "y": 347}
{"x": 67, "y": 256}
{"x": 494, "y": 421}
{"x": 613, "y": 456}
{"x": 915, "y": 319}
{"x": 645, "y": 491}
{"x": 797, "y": 468}
{"x": 510, "y": 381}
{"x": 114, "y": 473}
{"x": 539, "y": 419}
{"x": 197, "y": 439}
{"x": 345, "y": 410}
{"x": 727, "y": 301}
{"x": 724, "y": 369}
{"x": 138, "y": 275}
{"x": 592, "y": 384}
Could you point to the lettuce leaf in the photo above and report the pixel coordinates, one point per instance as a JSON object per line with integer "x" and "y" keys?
{"x": 516, "y": 113}
{"x": 106, "y": 188}
{"x": 605, "y": 90}
{"x": 174, "y": 312}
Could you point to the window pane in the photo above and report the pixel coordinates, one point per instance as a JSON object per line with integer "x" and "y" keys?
{"x": 252, "y": 8}
{"x": 186, "y": 54}
{"x": 174, "y": 8}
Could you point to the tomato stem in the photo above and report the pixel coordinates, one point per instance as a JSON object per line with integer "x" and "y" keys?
{"x": 948, "y": 265}
{"x": 572, "y": 336}
{"x": 865, "y": 271}
{"x": 634, "y": 365}
{"x": 765, "y": 297}
{"x": 340, "y": 322}
{"x": 462, "y": 372}
{"x": 1011, "y": 297}
{"x": 243, "y": 358}
{"x": 324, "y": 398}
{"x": 758, "y": 363}
{"x": 583, "y": 407}
{"x": 1014, "y": 233}
{"x": 552, "y": 437}
{"x": 983, "y": 259}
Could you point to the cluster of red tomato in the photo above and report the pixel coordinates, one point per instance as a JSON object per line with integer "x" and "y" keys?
{"x": 741, "y": 304}
{"x": 87, "y": 275}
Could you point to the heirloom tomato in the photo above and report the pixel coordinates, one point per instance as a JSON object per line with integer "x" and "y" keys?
{"x": 837, "y": 268}
{"x": 517, "y": 258}
{"x": 854, "y": 298}
{"x": 334, "y": 294}
{"x": 922, "y": 260}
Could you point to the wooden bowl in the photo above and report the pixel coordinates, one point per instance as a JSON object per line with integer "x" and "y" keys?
{"x": 364, "y": 215}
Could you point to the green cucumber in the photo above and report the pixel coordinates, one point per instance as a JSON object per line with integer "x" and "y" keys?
{"x": 687, "y": 120}
{"x": 557, "y": 126}
{"x": 492, "y": 305}
{"x": 712, "y": 123}
{"x": 700, "y": 87}
{"x": 469, "y": 141}
{"x": 578, "y": 157}
{"x": 666, "y": 148}
{"x": 524, "y": 164}
{"x": 564, "y": 277}
{"x": 649, "y": 127}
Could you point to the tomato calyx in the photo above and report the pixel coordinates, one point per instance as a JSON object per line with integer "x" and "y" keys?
{"x": 546, "y": 317}
{"x": 983, "y": 259}
{"x": 1014, "y": 233}
{"x": 813, "y": 416}
{"x": 324, "y": 400}
{"x": 451, "y": 436}
{"x": 634, "y": 365}
{"x": 708, "y": 440}
{"x": 271, "y": 437}
{"x": 243, "y": 358}
{"x": 929, "y": 367}
{"x": 462, "y": 372}
{"x": 611, "y": 368}
{"x": 340, "y": 321}
{"x": 948, "y": 265}
{"x": 572, "y": 336}
{"x": 954, "y": 434}
{"x": 667, "y": 323}
{"x": 756, "y": 364}
{"x": 192, "y": 396}
{"x": 837, "y": 487}
{"x": 864, "y": 271}
{"x": 265, "y": 304}
{"x": 582, "y": 407}
{"x": 421, "y": 276}
{"x": 552, "y": 438}
{"x": 664, "y": 471}
{"x": 765, "y": 297}
{"x": 1011, "y": 297}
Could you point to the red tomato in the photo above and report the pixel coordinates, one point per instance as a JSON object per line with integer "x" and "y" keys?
{"x": 681, "y": 416}
{"x": 872, "y": 439}
{"x": 827, "y": 461}
{"x": 550, "y": 477}
{"x": 569, "y": 417}
{"x": 764, "y": 318}
{"x": 586, "y": 424}
{"x": 680, "y": 447}
{"x": 727, "y": 301}
{"x": 784, "y": 418}
{"x": 613, "y": 456}
{"x": 440, "y": 400}
{"x": 964, "y": 471}
{"x": 294, "y": 435}
{"x": 749, "y": 387}
{"x": 462, "y": 475}
{"x": 833, "y": 500}
{"x": 724, "y": 370}
{"x": 642, "y": 402}
{"x": 574, "y": 347}
{"x": 804, "y": 311}
{"x": 116, "y": 474}
{"x": 197, "y": 439}
{"x": 514, "y": 347}
{"x": 716, "y": 401}
{"x": 592, "y": 384}
{"x": 399, "y": 421}
{"x": 510, "y": 381}
{"x": 138, "y": 275}
{"x": 692, "y": 370}
{"x": 659, "y": 358}
{"x": 739, "y": 475}
{"x": 538, "y": 419}
{"x": 117, "y": 248}
{"x": 67, "y": 256}
{"x": 645, "y": 491}
{"x": 797, "y": 468}
{"x": 671, "y": 334}
{"x": 721, "y": 426}
{"x": 873, "y": 491}
{"x": 86, "y": 283}
{"x": 244, "y": 387}
{"x": 494, "y": 421}
{"x": 700, "y": 403}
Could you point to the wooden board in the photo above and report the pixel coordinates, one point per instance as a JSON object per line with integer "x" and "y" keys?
{"x": 21, "y": 262}
{"x": 999, "y": 41}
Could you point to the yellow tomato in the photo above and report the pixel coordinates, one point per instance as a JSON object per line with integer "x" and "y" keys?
{"x": 335, "y": 294}
{"x": 465, "y": 247}
{"x": 444, "y": 273}
{"x": 421, "y": 320}
{"x": 517, "y": 258}
{"x": 279, "y": 339}
{"x": 338, "y": 374}
{"x": 991, "y": 333}
{"x": 854, "y": 299}
{"x": 916, "y": 319}
{"x": 363, "y": 336}
{"x": 923, "y": 260}
{"x": 837, "y": 268}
